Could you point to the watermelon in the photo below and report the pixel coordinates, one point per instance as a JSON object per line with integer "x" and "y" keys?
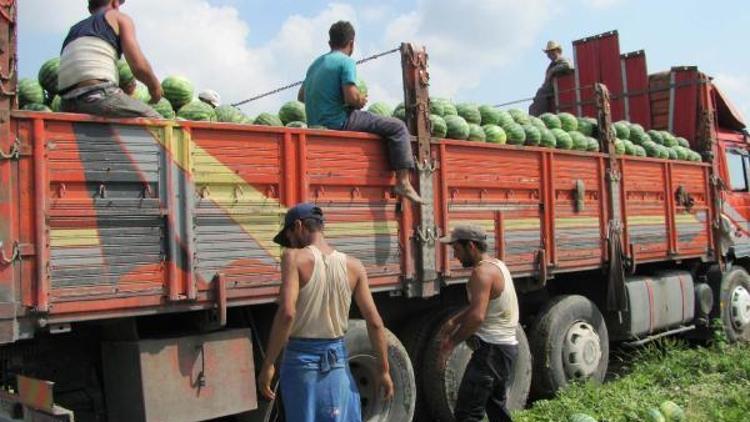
{"x": 56, "y": 104}
{"x": 504, "y": 119}
{"x": 694, "y": 156}
{"x": 654, "y": 415}
{"x": 378, "y": 109}
{"x": 490, "y": 115}
{"x": 562, "y": 139}
{"x": 551, "y": 120}
{"x": 519, "y": 116}
{"x": 671, "y": 411}
{"x": 579, "y": 141}
{"x": 683, "y": 142}
{"x": 439, "y": 128}
{"x": 622, "y": 128}
{"x": 593, "y": 144}
{"x": 663, "y": 152}
{"x": 681, "y": 152}
{"x": 548, "y": 139}
{"x": 651, "y": 148}
{"x": 318, "y": 127}
{"x": 581, "y": 417}
{"x": 639, "y": 151}
{"x": 457, "y": 127}
{"x": 446, "y": 106}
{"x": 141, "y": 93}
{"x": 229, "y": 114}
{"x": 400, "y": 112}
{"x": 268, "y": 119}
{"x": 568, "y": 122}
{"x": 437, "y": 107}
{"x": 495, "y": 134}
{"x": 126, "y": 75}
{"x": 470, "y": 113}
{"x": 362, "y": 86}
{"x": 537, "y": 123}
{"x": 30, "y": 92}
{"x": 292, "y": 111}
{"x": 639, "y": 138}
{"x": 164, "y": 107}
{"x": 516, "y": 134}
{"x": 178, "y": 90}
{"x": 672, "y": 153}
{"x": 533, "y": 135}
{"x": 300, "y": 125}
{"x": 619, "y": 146}
{"x": 669, "y": 139}
{"x": 635, "y": 127}
{"x": 36, "y": 107}
{"x": 656, "y": 136}
{"x": 476, "y": 133}
{"x": 587, "y": 126}
{"x": 197, "y": 110}
{"x": 48, "y": 75}
{"x": 629, "y": 147}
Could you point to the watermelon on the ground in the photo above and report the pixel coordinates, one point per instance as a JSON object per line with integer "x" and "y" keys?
{"x": 622, "y": 128}
{"x": 457, "y": 128}
{"x": 292, "y": 111}
{"x": 301, "y": 125}
{"x": 268, "y": 119}
{"x": 197, "y": 110}
{"x": 654, "y": 415}
{"x": 548, "y": 139}
{"x": 164, "y": 107}
{"x": 562, "y": 139}
{"x": 538, "y": 123}
{"x": 36, "y": 107}
{"x": 124, "y": 72}
{"x": 568, "y": 122}
{"x": 178, "y": 90}
{"x": 56, "y": 104}
{"x": 490, "y": 115}
{"x": 683, "y": 142}
{"x": 229, "y": 114}
{"x": 551, "y": 121}
{"x": 48, "y": 75}
{"x": 495, "y": 134}
{"x": 519, "y": 116}
{"x": 533, "y": 135}
{"x": 470, "y": 113}
{"x": 672, "y": 411}
{"x": 30, "y": 92}
{"x": 619, "y": 146}
{"x": 587, "y": 126}
{"x": 439, "y": 128}
{"x": 579, "y": 141}
{"x": 669, "y": 139}
{"x": 516, "y": 134}
{"x": 476, "y": 133}
{"x": 504, "y": 119}
{"x": 656, "y": 136}
{"x": 593, "y": 144}
{"x": 581, "y": 417}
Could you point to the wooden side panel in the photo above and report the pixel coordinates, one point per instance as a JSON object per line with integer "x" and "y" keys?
{"x": 636, "y": 101}
{"x": 645, "y": 206}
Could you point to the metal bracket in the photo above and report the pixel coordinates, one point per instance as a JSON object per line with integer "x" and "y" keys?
{"x": 427, "y": 166}
{"x": 15, "y": 255}
{"x": 102, "y": 192}
{"x": 427, "y": 235}
{"x": 14, "y": 153}
{"x": 683, "y": 197}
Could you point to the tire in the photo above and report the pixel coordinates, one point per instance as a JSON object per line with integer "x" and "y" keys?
{"x": 363, "y": 364}
{"x": 734, "y": 306}
{"x": 568, "y": 322}
{"x": 441, "y": 381}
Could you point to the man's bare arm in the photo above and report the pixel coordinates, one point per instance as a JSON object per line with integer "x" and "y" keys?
{"x": 480, "y": 288}
{"x": 136, "y": 59}
{"x": 352, "y": 97}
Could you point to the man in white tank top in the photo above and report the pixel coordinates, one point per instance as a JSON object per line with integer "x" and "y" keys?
{"x": 317, "y": 285}
{"x": 488, "y": 325}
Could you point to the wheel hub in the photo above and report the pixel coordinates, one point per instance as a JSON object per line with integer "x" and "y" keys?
{"x": 740, "y": 307}
{"x": 582, "y": 351}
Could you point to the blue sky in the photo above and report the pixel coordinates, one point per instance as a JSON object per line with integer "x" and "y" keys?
{"x": 486, "y": 51}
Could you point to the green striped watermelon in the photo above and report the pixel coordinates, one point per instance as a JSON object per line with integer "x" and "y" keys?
{"x": 504, "y": 119}
{"x": 36, "y": 107}
{"x": 56, "y": 104}
{"x": 164, "y": 107}
{"x": 300, "y": 125}
{"x": 548, "y": 139}
{"x": 495, "y": 134}
{"x": 562, "y": 139}
{"x": 516, "y": 134}
{"x": 580, "y": 143}
{"x": 671, "y": 411}
{"x": 126, "y": 75}
{"x": 437, "y": 107}
{"x": 30, "y": 92}
{"x": 551, "y": 120}
{"x": 683, "y": 142}
{"x": 656, "y": 136}
{"x": 457, "y": 128}
{"x": 593, "y": 144}
{"x": 470, "y": 113}
{"x": 141, "y": 93}
{"x": 654, "y": 415}
{"x": 293, "y": 111}
{"x": 48, "y": 75}
{"x": 587, "y": 126}
{"x": 490, "y": 115}
{"x": 378, "y": 109}
{"x": 533, "y": 135}
{"x": 438, "y": 125}
{"x": 669, "y": 139}
{"x": 229, "y": 114}
{"x": 362, "y": 86}
{"x": 197, "y": 110}
{"x": 268, "y": 119}
{"x": 629, "y": 147}
{"x": 639, "y": 151}
{"x": 622, "y": 128}
{"x": 178, "y": 90}
{"x": 400, "y": 112}
{"x": 619, "y": 146}
{"x": 519, "y": 116}
{"x": 476, "y": 133}
{"x": 568, "y": 122}
{"x": 537, "y": 123}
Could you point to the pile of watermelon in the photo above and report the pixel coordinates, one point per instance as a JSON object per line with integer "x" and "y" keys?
{"x": 668, "y": 411}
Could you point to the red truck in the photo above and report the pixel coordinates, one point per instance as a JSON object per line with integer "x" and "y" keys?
{"x": 138, "y": 275}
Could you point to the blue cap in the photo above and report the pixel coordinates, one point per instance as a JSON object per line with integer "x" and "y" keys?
{"x": 298, "y": 212}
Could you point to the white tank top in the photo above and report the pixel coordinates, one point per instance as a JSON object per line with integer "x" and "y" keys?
{"x": 323, "y": 303}
{"x": 501, "y": 319}
{"x": 85, "y": 59}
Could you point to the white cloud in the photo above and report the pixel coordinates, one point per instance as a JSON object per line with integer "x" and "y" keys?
{"x": 601, "y": 4}
{"x": 737, "y": 88}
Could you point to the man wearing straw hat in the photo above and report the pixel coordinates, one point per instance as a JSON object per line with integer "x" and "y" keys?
{"x": 558, "y": 64}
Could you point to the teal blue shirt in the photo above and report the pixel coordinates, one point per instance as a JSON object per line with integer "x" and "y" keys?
{"x": 324, "y": 101}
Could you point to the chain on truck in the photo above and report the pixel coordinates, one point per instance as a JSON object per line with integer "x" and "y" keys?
{"x": 138, "y": 275}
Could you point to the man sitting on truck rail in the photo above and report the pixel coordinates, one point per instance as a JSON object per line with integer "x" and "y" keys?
{"x": 332, "y": 100}
{"x": 88, "y": 77}
{"x": 317, "y": 285}
{"x": 558, "y": 65}
{"x": 488, "y": 325}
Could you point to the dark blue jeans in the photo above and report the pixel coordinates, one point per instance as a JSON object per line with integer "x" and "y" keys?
{"x": 485, "y": 384}
{"x": 390, "y": 128}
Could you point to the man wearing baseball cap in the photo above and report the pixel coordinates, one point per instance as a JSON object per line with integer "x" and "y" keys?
{"x": 558, "y": 65}
{"x": 317, "y": 285}
{"x": 488, "y": 325}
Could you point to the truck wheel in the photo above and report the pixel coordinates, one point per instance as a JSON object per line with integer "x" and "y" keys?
{"x": 569, "y": 341}
{"x": 442, "y": 379}
{"x": 364, "y": 367}
{"x": 734, "y": 305}
{"x": 414, "y": 335}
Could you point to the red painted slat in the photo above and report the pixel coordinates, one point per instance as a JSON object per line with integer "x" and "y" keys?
{"x": 636, "y": 99}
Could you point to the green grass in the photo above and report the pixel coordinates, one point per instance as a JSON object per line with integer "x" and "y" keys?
{"x": 711, "y": 384}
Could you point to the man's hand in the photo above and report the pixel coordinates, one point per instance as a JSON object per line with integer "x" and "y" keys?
{"x": 156, "y": 94}
{"x": 129, "y": 88}
{"x": 386, "y": 383}
{"x": 264, "y": 381}
{"x": 446, "y": 348}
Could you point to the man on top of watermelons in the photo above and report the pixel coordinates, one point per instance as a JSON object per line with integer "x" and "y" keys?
{"x": 317, "y": 287}
{"x": 88, "y": 77}
{"x": 488, "y": 325}
{"x": 558, "y": 65}
{"x": 210, "y": 97}
{"x": 332, "y": 99}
